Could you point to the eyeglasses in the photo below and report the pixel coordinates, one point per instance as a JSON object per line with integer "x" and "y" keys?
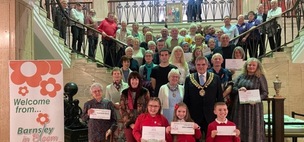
{"x": 153, "y": 106}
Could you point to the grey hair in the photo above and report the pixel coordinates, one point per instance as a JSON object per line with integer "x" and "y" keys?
{"x": 173, "y": 72}
{"x": 96, "y": 85}
{"x": 238, "y": 48}
{"x": 129, "y": 48}
{"x": 240, "y": 16}
{"x": 149, "y": 52}
{"x": 193, "y": 25}
{"x": 151, "y": 43}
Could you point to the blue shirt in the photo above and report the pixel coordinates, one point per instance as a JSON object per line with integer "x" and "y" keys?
{"x": 208, "y": 36}
{"x": 242, "y": 28}
{"x": 231, "y": 31}
{"x": 260, "y": 17}
{"x": 254, "y": 34}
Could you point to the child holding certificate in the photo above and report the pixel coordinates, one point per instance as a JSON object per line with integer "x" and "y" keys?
{"x": 150, "y": 126}
{"x": 222, "y": 130}
{"x": 181, "y": 114}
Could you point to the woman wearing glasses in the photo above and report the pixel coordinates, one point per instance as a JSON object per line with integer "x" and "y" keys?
{"x": 152, "y": 118}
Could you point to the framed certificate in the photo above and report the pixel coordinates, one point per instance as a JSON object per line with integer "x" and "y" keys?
{"x": 236, "y": 64}
{"x": 101, "y": 114}
{"x": 153, "y": 133}
{"x": 250, "y": 96}
{"x": 182, "y": 128}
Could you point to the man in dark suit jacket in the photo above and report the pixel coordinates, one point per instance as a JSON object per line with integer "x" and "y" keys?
{"x": 200, "y": 99}
{"x": 260, "y": 15}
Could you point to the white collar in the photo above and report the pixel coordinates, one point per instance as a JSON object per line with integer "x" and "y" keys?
{"x": 204, "y": 74}
{"x": 219, "y": 122}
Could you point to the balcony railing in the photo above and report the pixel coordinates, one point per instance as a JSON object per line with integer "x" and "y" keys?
{"x": 155, "y": 11}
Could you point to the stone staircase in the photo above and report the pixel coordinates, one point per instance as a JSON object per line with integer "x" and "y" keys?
{"x": 76, "y": 68}
{"x": 298, "y": 50}
{"x": 157, "y": 27}
{"x": 291, "y": 74}
{"x": 52, "y": 46}
{"x": 85, "y": 73}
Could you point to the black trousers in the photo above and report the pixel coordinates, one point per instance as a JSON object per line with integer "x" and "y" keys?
{"x": 275, "y": 41}
{"x": 109, "y": 52}
{"x": 77, "y": 38}
{"x": 93, "y": 41}
{"x": 262, "y": 46}
{"x": 252, "y": 47}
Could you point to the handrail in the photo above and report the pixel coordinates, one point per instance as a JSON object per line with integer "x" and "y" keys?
{"x": 252, "y": 29}
{"x": 88, "y": 28}
{"x": 68, "y": 17}
{"x": 268, "y": 22}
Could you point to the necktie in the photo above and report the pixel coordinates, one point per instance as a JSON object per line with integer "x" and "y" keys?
{"x": 201, "y": 79}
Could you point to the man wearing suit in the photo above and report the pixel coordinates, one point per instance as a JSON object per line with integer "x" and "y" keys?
{"x": 260, "y": 15}
{"x": 202, "y": 90}
{"x": 199, "y": 9}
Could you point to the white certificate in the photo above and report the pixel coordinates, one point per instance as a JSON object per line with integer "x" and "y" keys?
{"x": 226, "y": 130}
{"x": 236, "y": 64}
{"x": 206, "y": 51}
{"x": 188, "y": 56}
{"x": 250, "y": 96}
{"x": 153, "y": 133}
{"x": 182, "y": 128}
{"x": 101, "y": 114}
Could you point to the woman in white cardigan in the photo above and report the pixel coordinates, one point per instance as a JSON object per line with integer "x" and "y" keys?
{"x": 171, "y": 94}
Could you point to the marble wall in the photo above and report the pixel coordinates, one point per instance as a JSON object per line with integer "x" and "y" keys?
{"x": 16, "y": 43}
{"x": 7, "y": 52}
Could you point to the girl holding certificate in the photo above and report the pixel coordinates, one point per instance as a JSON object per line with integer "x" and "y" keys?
{"x": 249, "y": 117}
{"x": 181, "y": 114}
{"x": 147, "y": 123}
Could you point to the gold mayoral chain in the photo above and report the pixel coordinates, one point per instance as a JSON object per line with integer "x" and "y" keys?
{"x": 196, "y": 84}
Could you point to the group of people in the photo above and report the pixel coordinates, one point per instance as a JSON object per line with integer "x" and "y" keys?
{"x": 199, "y": 100}
{"x": 154, "y": 83}
{"x": 107, "y": 27}
{"x": 207, "y": 38}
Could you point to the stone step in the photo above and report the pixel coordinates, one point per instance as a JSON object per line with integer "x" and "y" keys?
{"x": 280, "y": 55}
{"x": 42, "y": 12}
{"x": 49, "y": 22}
{"x": 55, "y": 32}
